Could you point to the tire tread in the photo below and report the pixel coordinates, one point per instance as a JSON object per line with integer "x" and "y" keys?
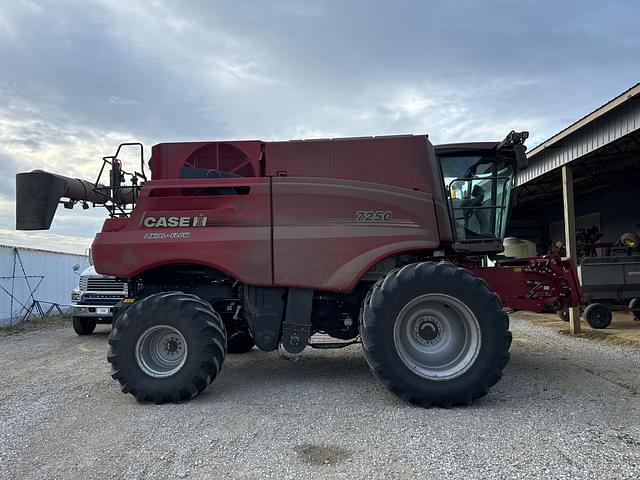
{"x": 190, "y": 309}
{"x": 383, "y": 298}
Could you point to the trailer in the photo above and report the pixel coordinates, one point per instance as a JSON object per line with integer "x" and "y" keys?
{"x": 609, "y": 284}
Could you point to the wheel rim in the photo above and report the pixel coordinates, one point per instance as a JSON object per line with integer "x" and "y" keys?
{"x": 600, "y": 316}
{"x": 437, "y": 336}
{"x": 161, "y": 351}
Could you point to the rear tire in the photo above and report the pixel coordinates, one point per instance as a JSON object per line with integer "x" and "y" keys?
{"x": 598, "y": 315}
{"x": 434, "y": 334}
{"x": 239, "y": 342}
{"x": 167, "y": 347}
{"x": 83, "y": 325}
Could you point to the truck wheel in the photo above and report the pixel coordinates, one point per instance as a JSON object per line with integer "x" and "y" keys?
{"x": 434, "y": 334}
{"x": 239, "y": 342}
{"x": 597, "y": 315}
{"x": 167, "y": 347}
{"x": 83, "y": 325}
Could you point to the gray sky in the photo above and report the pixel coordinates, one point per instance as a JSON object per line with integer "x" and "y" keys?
{"x": 79, "y": 77}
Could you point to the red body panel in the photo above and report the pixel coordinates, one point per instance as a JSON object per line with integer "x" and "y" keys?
{"x": 404, "y": 160}
{"x": 320, "y": 244}
{"x": 298, "y": 224}
{"x": 236, "y": 240}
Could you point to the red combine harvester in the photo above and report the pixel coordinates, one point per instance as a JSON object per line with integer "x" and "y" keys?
{"x": 380, "y": 240}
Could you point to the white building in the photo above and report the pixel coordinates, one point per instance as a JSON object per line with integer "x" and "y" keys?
{"x": 36, "y": 280}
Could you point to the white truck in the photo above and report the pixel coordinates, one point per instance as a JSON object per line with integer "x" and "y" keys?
{"x": 93, "y": 301}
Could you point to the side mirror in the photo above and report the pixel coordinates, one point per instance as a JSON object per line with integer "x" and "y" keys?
{"x": 521, "y": 156}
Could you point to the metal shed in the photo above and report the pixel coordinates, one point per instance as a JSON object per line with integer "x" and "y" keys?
{"x": 593, "y": 165}
{"x": 615, "y": 125}
{"x": 33, "y": 281}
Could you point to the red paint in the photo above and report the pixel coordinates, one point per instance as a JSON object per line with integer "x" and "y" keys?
{"x": 306, "y": 193}
{"x": 318, "y": 242}
{"x": 241, "y": 248}
{"x": 538, "y": 284}
{"x": 296, "y": 222}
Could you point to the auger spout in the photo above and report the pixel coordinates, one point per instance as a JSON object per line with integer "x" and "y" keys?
{"x": 38, "y": 194}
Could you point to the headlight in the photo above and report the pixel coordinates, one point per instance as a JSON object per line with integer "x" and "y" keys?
{"x": 76, "y": 296}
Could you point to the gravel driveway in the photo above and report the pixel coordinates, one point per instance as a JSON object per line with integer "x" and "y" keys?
{"x": 566, "y": 408}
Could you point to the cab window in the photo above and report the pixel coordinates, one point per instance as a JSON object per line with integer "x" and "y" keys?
{"x": 478, "y": 189}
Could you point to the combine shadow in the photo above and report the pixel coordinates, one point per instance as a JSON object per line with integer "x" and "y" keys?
{"x": 262, "y": 376}
{"x": 343, "y": 373}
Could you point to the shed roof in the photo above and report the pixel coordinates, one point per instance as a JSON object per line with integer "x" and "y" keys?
{"x": 615, "y": 119}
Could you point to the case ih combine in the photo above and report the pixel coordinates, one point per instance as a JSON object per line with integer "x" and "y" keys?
{"x": 380, "y": 240}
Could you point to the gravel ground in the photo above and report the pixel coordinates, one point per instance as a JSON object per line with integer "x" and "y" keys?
{"x": 566, "y": 408}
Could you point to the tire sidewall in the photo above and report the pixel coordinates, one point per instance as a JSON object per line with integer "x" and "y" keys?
{"x": 239, "y": 342}
{"x": 594, "y": 309}
{"x": 485, "y": 308}
{"x": 143, "y": 315}
{"x": 84, "y": 325}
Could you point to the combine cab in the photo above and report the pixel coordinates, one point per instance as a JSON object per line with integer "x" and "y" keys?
{"x": 378, "y": 240}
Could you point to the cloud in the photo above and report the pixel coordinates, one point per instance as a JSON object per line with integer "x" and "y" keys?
{"x": 72, "y": 90}
{"x": 115, "y": 100}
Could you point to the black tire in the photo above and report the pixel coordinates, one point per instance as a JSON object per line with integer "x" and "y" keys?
{"x": 634, "y": 308}
{"x": 598, "y": 315}
{"x": 239, "y": 342}
{"x": 563, "y": 315}
{"x": 83, "y": 325}
{"x": 198, "y": 325}
{"x": 400, "y": 288}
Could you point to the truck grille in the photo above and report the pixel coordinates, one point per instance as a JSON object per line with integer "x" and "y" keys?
{"x": 100, "y": 284}
{"x": 100, "y": 299}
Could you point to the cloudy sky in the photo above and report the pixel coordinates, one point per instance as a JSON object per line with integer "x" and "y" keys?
{"x": 79, "y": 77}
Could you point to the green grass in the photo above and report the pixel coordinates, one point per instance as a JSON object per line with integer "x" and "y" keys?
{"x": 35, "y": 323}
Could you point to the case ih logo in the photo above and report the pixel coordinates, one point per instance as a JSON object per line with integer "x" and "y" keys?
{"x": 168, "y": 222}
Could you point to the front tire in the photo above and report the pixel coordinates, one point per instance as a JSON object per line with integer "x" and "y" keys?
{"x": 83, "y": 325}
{"x": 167, "y": 347}
{"x": 434, "y": 334}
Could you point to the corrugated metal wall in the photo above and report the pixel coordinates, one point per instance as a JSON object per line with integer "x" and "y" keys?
{"x": 612, "y": 126}
{"x": 53, "y": 271}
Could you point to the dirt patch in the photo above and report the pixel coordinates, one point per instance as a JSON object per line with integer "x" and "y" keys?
{"x": 624, "y": 330}
{"x": 34, "y": 324}
{"x": 321, "y": 454}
